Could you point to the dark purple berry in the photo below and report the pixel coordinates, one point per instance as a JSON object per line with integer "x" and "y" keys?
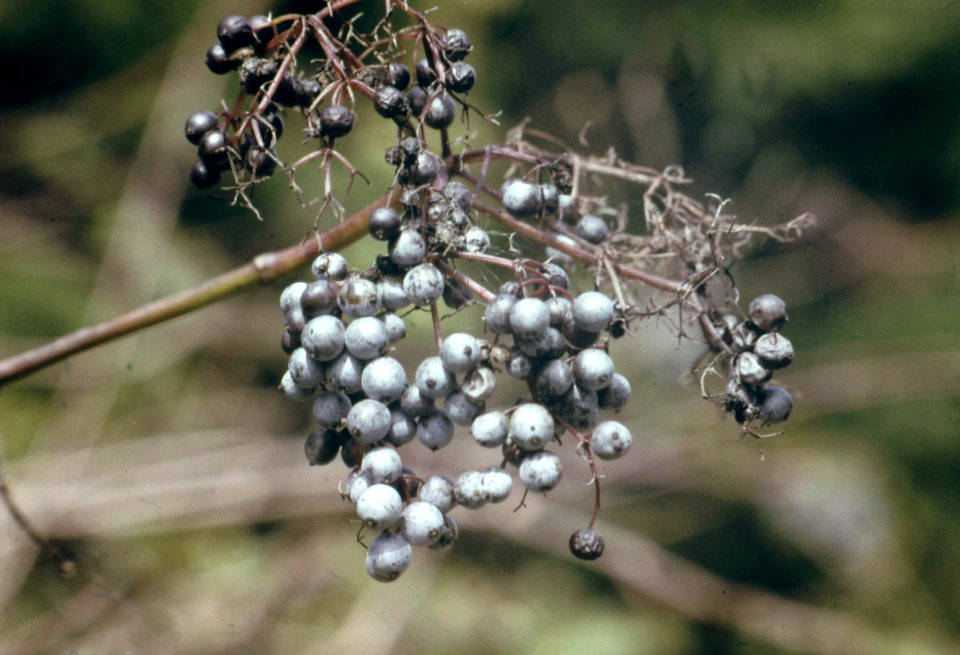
{"x": 425, "y": 74}
{"x": 235, "y": 32}
{"x": 218, "y": 62}
{"x": 586, "y": 544}
{"x": 456, "y": 44}
{"x": 255, "y": 72}
{"x": 287, "y": 92}
{"x": 461, "y": 77}
{"x": 775, "y": 404}
{"x": 390, "y": 102}
{"x": 260, "y": 161}
{"x": 307, "y": 92}
{"x": 384, "y": 223}
{"x": 417, "y": 99}
{"x": 213, "y": 149}
{"x": 290, "y": 340}
{"x": 199, "y": 124}
{"x": 396, "y": 75}
{"x": 263, "y": 30}
{"x": 322, "y": 446}
{"x": 202, "y": 176}
{"x": 336, "y": 121}
{"x": 274, "y": 124}
{"x": 440, "y": 112}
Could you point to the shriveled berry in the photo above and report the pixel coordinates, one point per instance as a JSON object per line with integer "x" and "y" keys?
{"x": 456, "y": 44}
{"x": 774, "y": 350}
{"x": 586, "y": 544}
{"x": 336, "y": 121}
{"x": 479, "y": 384}
{"x": 750, "y": 370}
{"x": 390, "y": 102}
{"x": 767, "y": 312}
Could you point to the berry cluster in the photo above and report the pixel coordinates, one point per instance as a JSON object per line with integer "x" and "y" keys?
{"x": 759, "y": 350}
{"x": 344, "y": 328}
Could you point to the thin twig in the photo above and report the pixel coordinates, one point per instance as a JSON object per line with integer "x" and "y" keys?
{"x": 264, "y": 268}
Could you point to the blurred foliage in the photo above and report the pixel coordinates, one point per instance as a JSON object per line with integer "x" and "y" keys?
{"x": 170, "y": 465}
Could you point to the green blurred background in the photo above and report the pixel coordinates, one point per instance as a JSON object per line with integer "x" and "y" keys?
{"x": 169, "y": 463}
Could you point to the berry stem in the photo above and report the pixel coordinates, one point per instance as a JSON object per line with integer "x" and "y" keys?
{"x": 264, "y": 268}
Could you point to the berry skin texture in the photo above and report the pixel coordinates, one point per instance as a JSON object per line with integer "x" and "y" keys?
{"x": 379, "y": 507}
{"x": 476, "y": 239}
{"x": 460, "y": 352}
{"x": 461, "y": 77}
{"x": 616, "y": 395}
{"x": 217, "y": 60}
{"x": 521, "y": 199}
{"x": 366, "y": 338}
{"x": 775, "y": 404}
{"x": 235, "y": 32}
{"x": 541, "y": 471}
{"x": 336, "y": 121}
{"x": 592, "y": 229}
{"x": 382, "y": 466}
{"x": 330, "y": 266}
{"x": 359, "y": 297}
{"x": 531, "y": 427}
{"x": 323, "y": 337}
{"x": 468, "y": 490}
{"x": 593, "y": 369}
{"x": 435, "y": 430}
{"x": 384, "y": 223}
{"x": 529, "y": 318}
{"x": 408, "y": 248}
{"x": 389, "y": 555}
{"x": 344, "y": 373}
{"x": 330, "y": 408}
{"x": 319, "y": 298}
{"x": 461, "y": 409}
{"x": 433, "y": 379}
{"x": 592, "y": 311}
{"x": 396, "y": 75}
{"x": 497, "y": 313}
{"x": 199, "y": 124}
{"x": 479, "y": 384}
{"x": 322, "y": 447}
{"x": 767, "y": 312}
{"x": 438, "y": 491}
{"x": 390, "y": 102}
{"x": 496, "y": 484}
{"x": 774, "y": 350}
{"x": 414, "y": 403}
{"x": 384, "y": 379}
{"x": 368, "y": 421}
{"x": 292, "y": 390}
{"x": 611, "y": 440}
{"x": 423, "y": 284}
{"x": 490, "y": 430}
{"x": 202, "y": 176}
{"x": 456, "y": 44}
{"x": 421, "y": 523}
{"x": 586, "y": 544}
{"x": 554, "y": 379}
{"x": 750, "y": 370}
{"x": 449, "y": 534}
{"x": 440, "y": 112}
{"x": 213, "y": 149}
{"x": 403, "y": 429}
{"x": 305, "y": 372}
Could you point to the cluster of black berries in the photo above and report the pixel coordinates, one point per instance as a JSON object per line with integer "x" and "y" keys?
{"x": 759, "y": 349}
